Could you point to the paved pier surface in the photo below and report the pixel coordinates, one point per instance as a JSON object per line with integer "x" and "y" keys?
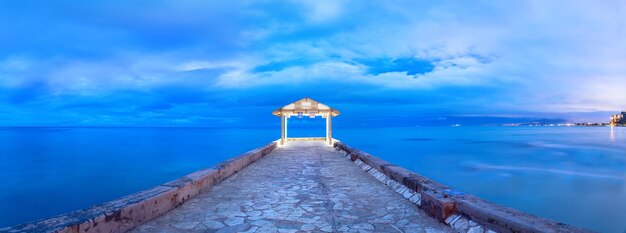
{"x": 300, "y": 187}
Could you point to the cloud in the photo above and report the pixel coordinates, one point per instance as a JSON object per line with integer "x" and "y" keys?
{"x": 108, "y": 62}
{"x": 323, "y": 11}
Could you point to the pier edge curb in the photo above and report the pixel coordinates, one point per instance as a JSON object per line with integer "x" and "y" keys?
{"x": 128, "y": 212}
{"x": 463, "y": 212}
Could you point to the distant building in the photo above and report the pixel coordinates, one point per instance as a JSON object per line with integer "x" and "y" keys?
{"x": 618, "y": 119}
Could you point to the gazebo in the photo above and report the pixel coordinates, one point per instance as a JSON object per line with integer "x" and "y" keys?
{"x": 306, "y": 107}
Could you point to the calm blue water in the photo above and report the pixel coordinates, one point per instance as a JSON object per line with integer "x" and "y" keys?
{"x": 49, "y": 171}
{"x": 570, "y": 174}
{"x": 575, "y": 175}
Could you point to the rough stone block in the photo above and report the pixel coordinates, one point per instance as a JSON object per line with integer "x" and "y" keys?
{"x": 476, "y": 229}
{"x": 416, "y": 199}
{"x": 407, "y": 193}
{"x": 461, "y": 225}
{"x": 437, "y": 205}
{"x": 358, "y": 162}
{"x": 452, "y": 218}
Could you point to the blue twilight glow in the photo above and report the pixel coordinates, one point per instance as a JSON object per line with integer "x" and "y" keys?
{"x": 228, "y": 63}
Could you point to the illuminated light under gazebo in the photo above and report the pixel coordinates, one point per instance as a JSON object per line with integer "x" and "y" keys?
{"x": 300, "y": 108}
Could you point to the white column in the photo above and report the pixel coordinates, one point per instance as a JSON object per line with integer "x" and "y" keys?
{"x": 283, "y": 132}
{"x": 329, "y": 130}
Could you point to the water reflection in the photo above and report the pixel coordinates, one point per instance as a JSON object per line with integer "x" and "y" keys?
{"x": 612, "y": 134}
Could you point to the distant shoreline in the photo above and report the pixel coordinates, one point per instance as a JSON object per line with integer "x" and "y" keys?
{"x": 560, "y": 125}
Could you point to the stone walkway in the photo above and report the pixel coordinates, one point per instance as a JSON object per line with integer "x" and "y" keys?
{"x": 300, "y": 187}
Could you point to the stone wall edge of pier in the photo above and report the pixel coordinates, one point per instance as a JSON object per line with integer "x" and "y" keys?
{"x": 128, "y": 212}
{"x": 463, "y": 212}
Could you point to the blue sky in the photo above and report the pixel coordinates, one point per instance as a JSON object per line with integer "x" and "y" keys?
{"x": 229, "y": 63}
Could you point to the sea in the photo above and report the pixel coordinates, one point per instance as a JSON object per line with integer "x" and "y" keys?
{"x": 575, "y": 175}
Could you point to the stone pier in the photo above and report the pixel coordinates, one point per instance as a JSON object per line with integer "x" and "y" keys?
{"x": 305, "y": 185}
{"x": 302, "y": 186}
